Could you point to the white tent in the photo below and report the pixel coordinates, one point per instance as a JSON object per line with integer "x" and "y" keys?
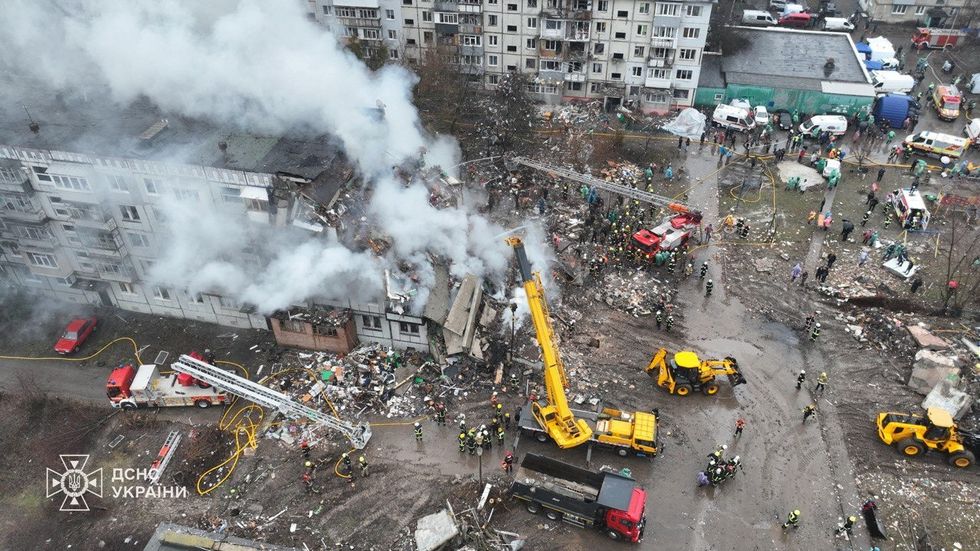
{"x": 881, "y": 48}
{"x": 689, "y": 123}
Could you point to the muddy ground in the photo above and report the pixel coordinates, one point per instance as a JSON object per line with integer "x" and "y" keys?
{"x": 826, "y": 467}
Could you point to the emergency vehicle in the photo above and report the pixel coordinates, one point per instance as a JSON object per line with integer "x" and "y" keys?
{"x": 910, "y": 209}
{"x": 668, "y": 236}
{"x": 937, "y": 144}
{"x": 131, "y": 388}
{"x": 946, "y": 100}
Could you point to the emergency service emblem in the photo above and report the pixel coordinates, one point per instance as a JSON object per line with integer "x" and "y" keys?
{"x": 74, "y": 482}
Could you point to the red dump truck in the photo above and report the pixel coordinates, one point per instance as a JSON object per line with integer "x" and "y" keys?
{"x": 936, "y": 38}
{"x": 606, "y": 501}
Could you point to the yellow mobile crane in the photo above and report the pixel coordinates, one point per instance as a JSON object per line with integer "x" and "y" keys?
{"x": 628, "y": 433}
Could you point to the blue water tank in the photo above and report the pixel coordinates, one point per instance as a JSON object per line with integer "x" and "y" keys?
{"x": 893, "y": 108}
{"x": 873, "y": 64}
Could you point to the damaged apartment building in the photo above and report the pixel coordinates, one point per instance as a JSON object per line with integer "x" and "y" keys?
{"x": 86, "y": 223}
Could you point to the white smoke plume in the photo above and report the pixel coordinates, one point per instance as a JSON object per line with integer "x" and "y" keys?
{"x": 258, "y": 64}
{"x": 262, "y": 66}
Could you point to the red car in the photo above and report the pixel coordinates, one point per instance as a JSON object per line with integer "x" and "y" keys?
{"x": 798, "y": 20}
{"x": 75, "y": 334}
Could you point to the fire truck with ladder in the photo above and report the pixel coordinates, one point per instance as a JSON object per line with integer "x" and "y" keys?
{"x": 194, "y": 382}
{"x": 671, "y": 234}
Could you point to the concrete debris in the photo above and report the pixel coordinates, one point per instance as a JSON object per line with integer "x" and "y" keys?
{"x": 433, "y": 531}
{"x": 946, "y": 396}
{"x": 929, "y": 369}
{"x": 926, "y": 339}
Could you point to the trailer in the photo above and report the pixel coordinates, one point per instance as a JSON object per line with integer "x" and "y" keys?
{"x": 610, "y": 428}
{"x": 604, "y": 500}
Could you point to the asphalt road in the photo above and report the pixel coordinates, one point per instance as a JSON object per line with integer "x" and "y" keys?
{"x": 57, "y": 378}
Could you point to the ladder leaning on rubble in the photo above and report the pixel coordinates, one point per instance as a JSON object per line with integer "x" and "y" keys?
{"x": 358, "y": 434}
{"x": 599, "y": 183}
{"x": 164, "y": 457}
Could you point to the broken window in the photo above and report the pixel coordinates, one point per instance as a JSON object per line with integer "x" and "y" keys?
{"x": 408, "y": 328}
{"x": 129, "y": 213}
{"x": 325, "y": 330}
{"x": 161, "y": 293}
{"x": 371, "y": 322}
{"x": 293, "y": 326}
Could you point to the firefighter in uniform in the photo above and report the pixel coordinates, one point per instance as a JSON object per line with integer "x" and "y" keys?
{"x": 509, "y": 462}
{"x": 462, "y": 441}
{"x": 792, "y": 520}
{"x": 418, "y": 431}
{"x": 363, "y": 464}
{"x": 800, "y": 378}
{"x": 707, "y": 288}
{"x": 704, "y": 269}
{"x": 864, "y": 219}
{"x": 670, "y": 321}
{"x": 815, "y": 333}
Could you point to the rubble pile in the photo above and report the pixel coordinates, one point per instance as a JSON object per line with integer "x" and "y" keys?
{"x": 635, "y": 292}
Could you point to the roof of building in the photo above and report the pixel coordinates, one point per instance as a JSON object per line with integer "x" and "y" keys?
{"x": 711, "y": 76}
{"x": 790, "y": 58}
{"x": 173, "y": 537}
{"x": 97, "y": 126}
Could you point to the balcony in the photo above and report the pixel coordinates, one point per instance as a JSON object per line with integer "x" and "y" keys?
{"x": 577, "y": 35}
{"x": 466, "y": 28}
{"x": 361, "y": 22}
{"x": 471, "y": 69}
{"x": 471, "y": 50}
{"x": 654, "y": 82}
{"x": 551, "y": 75}
{"x": 667, "y": 20}
{"x": 574, "y": 77}
{"x": 668, "y": 42}
{"x": 124, "y": 274}
{"x": 552, "y": 34}
{"x": 661, "y": 62}
{"x": 16, "y": 187}
{"x": 470, "y": 7}
{"x": 447, "y": 28}
{"x": 445, "y": 5}
{"x": 34, "y": 215}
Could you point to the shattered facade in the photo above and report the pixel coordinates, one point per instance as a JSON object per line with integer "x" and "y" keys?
{"x": 320, "y": 328}
{"x": 87, "y": 228}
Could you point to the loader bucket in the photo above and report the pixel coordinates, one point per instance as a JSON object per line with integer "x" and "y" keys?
{"x": 735, "y": 378}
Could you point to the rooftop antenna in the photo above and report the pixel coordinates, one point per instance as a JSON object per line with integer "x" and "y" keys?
{"x": 34, "y": 126}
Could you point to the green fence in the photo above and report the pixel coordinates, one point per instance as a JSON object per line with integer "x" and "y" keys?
{"x": 805, "y": 101}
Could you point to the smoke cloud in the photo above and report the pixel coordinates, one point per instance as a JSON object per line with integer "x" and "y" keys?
{"x": 263, "y": 67}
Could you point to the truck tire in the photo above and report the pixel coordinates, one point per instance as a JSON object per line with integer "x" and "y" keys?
{"x": 613, "y": 535}
{"x": 622, "y": 452}
{"x": 682, "y": 389}
{"x": 533, "y": 508}
{"x": 710, "y": 389}
{"x": 541, "y": 436}
{"x": 202, "y": 404}
{"x": 910, "y": 447}
{"x": 553, "y": 515}
{"x": 962, "y": 459}
{"x": 129, "y": 405}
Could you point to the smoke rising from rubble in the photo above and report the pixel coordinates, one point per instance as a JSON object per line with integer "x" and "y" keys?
{"x": 262, "y": 66}
{"x": 256, "y": 64}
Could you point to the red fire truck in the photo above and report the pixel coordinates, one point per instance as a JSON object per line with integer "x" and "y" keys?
{"x": 131, "y": 388}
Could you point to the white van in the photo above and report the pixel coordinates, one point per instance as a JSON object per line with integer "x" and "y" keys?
{"x": 729, "y": 116}
{"x": 792, "y": 8}
{"x": 757, "y": 18}
{"x": 835, "y": 124}
{"x": 837, "y": 24}
{"x": 937, "y": 144}
{"x": 886, "y": 82}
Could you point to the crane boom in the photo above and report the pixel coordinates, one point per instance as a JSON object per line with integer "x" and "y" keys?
{"x": 556, "y": 417}
{"x": 599, "y": 183}
{"x": 358, "y": 434}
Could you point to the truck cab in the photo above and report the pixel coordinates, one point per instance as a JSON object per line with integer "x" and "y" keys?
{"x": 118, "y": 385}
{"x": 946, "y": 100}
{"x": 619, "y": 429}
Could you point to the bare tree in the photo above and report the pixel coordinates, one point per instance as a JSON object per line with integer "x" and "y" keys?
{"x": 510, "y": 114}
{"x": 961, "y": 267}
{"x": 443, "y": 94}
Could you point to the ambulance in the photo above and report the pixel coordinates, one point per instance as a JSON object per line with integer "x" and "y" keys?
{"x": 910, "y": 209}
{"x": 946, "y": 100}
{"x": 937, "y": 144}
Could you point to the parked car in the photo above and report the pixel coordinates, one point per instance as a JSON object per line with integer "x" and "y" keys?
{"x": 761, "y": 115}
{"x": 782, "y": 119}
{"x": 795, "y": 20}
{"x": 777, "y": 5}
{"x": 77, "y": 332}
{"x": 837, "y": 24}
{"x": 757, "y": 18}
{"x": 829, "y": 9}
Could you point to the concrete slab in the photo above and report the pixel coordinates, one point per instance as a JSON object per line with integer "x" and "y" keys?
{"x": 434, "y": 530}
{"x": 927, "y": 340}
{"x": 898, "y": 268}
{"x": 929, "y": 368}
{"x": 945, "y": 395}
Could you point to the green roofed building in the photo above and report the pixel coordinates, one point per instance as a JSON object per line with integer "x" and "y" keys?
{"x": 813, "y": 72}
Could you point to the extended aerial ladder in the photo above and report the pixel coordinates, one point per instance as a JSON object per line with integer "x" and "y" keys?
{"x": 619, "y": 189}
{"x": 358, "y": 434}
{"x": 555, "y": 416}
